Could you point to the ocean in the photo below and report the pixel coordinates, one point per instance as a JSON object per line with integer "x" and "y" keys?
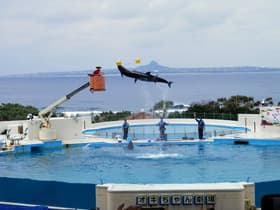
{"x": 123, "y": 94}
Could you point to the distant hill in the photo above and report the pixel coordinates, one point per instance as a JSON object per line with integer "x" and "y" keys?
{"x": 153, "y": 66}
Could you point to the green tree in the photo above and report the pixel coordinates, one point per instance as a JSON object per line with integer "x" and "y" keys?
{"x": 222, "y": 108}
{"x": 110, "y": 116}
{"x": 10, "y": 111}
{"x": 211, "y": 106}
{"x": 239, "y": 104}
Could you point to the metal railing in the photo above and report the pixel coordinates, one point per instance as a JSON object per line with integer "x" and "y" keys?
{"x": 172, "y": 133}
{"x": 205, "y": 115}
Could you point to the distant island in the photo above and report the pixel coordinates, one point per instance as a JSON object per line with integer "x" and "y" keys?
{"x": 157, "y": 68}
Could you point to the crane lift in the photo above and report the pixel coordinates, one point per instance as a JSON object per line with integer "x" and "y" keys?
{"x": 96, "y": 83}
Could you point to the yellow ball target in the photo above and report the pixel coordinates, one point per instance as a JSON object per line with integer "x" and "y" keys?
{"x": 119, "y": 62}
{"x": 137, "y": 60}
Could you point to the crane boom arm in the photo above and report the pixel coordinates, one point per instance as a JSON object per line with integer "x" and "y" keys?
{"x": 51, "y": 107}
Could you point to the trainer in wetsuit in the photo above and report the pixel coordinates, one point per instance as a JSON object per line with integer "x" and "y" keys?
{"x": 125, "y": 127}
{"x": 162, "y": 128}
{"x": 200, "y": 125}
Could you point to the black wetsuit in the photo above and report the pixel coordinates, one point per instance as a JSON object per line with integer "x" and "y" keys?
{"x": 162, "y": 125}
{"x": 125, "y": 130}
{"x": 201, "y": 125}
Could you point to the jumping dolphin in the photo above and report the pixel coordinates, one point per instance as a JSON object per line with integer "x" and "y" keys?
{"x": 137, "y": 75}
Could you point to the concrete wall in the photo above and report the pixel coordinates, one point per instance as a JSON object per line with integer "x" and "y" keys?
{"x": 68, "y": 129}
{"x": 71, "y": 128}
{"x": 253, "y": 122}
{"x": 13, "y": 125}
{"x": 74, "y": 126}
{"x": 230, "y": 196}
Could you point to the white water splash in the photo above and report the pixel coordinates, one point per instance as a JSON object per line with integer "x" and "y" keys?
{"x": 158, "y": 156}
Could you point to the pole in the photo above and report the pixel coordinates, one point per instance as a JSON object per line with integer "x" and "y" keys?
{"x": 245, "y": 124}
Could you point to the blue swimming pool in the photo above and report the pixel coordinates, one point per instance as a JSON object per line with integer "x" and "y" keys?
{"x": 174, "y": 131}
{"x": 161, "y": 162}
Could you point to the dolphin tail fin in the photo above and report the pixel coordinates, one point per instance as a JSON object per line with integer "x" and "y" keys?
{"x": 169, "y": 84}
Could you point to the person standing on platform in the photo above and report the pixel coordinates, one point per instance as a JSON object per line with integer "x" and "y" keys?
{"x": 162, "y": 128}
{"x": 200, "y": 126}
{"x": 125, "y": 127}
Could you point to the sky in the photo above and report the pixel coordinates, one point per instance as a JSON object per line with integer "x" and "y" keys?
{"x": 69, "y": 35}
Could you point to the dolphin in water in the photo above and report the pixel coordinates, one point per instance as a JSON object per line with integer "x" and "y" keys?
{"x": 137, "y": 75}
{"x": 130, "y": 145}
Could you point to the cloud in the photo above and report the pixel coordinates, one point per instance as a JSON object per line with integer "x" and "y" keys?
{"x": 72, "y": 35}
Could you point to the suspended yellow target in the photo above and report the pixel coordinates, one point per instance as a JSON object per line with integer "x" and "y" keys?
{"x": 119, "y": 62}
{"x": 137, "y": 60}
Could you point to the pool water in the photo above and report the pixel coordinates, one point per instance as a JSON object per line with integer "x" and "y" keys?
{"x": 156, "y": 163}
{"x": 173, "y": 131}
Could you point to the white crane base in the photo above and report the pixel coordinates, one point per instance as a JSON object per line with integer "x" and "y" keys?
{"x": 47, "y": 134}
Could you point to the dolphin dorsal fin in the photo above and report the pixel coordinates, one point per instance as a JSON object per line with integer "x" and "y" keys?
{"x": 148, "y": 73}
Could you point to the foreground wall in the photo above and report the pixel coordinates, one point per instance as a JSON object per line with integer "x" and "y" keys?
{"x": 218, "y": 196}
{"x": 48, "y": 193}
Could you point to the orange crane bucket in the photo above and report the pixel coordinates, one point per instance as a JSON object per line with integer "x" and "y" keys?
{"x": 97, "y": 80}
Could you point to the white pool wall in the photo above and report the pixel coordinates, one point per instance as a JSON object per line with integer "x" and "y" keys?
{"x": 69, "y": 129}
{"x": 229, "y": 196}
